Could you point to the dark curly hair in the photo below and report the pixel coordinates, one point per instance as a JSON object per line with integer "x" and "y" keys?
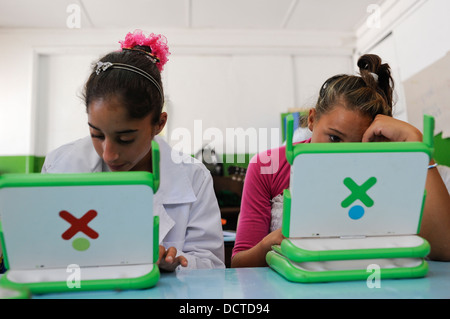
{"x": 136, "y": 93}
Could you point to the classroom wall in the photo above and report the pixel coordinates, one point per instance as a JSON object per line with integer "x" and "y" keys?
{"x": 29, "y": 59}
{"x": 228, "y": 80}
{"x": 237, "y": 100}
{"x": 412, "y": 42}
{"x": 412, "y": 36}
{"x": 235, "y": 81}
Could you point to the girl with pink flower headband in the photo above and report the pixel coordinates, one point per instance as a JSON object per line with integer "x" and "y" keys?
{"x": 124, "y": 101}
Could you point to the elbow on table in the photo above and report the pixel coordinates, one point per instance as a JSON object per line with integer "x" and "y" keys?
{"x": 442, "y": 254}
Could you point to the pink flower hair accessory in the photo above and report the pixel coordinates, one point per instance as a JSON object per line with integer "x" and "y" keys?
{"x": 156, "y": 42}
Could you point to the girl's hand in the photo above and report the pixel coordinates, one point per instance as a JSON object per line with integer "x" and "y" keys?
{"x": 273, "y": 238}
{"x": 385, "y": 128}
{"x": 256, "y": 256}
{"x": 168, "y": 261}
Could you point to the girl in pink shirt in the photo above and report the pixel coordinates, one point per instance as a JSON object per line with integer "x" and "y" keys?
{"x": 350, "y": 108}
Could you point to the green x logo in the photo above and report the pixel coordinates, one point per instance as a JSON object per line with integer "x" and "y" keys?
{"x": 358, "y": 192}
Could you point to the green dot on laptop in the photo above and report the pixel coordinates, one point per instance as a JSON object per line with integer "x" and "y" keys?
{"x": 81, "y": 244}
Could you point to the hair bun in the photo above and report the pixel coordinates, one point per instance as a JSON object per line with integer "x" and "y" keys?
{"x": 372, "y": 64}
{"x": 377, "y": 75}
{"x": 369, "y": 62}
{"x": 155, "y": 45}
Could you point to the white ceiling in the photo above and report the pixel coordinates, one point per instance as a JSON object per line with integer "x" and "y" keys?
{"x": 296, "y": 15}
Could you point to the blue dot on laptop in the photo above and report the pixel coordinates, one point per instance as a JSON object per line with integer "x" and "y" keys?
{"x": 356, "y": 212}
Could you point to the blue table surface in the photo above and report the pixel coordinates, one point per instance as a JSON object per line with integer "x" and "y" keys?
{"x": 265, "y": 283}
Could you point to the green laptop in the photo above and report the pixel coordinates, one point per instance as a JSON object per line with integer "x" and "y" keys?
{"x": 369, "y": 210}
{"x": 86, "y": 231}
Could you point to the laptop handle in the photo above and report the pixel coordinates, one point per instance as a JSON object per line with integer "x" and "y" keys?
{"x": 426, "y": 146}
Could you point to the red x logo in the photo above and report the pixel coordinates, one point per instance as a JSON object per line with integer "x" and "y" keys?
{"x": 79, "y": 225}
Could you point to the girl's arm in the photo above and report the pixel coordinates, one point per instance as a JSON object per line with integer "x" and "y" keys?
{"x": 435, "y": 225}
{"x": 253, "y": 239}
{"x": 256, "y": 256}
{"x": 204, "y": 246}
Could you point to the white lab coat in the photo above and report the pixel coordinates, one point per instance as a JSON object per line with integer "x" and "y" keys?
{"x": 185, "y": 201}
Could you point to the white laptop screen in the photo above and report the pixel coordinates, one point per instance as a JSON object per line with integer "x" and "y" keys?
{"x": 53, "y": 227}
{"x": 357, "y": 194}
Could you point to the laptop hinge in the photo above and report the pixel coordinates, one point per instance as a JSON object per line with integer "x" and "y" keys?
{"x": 352, "y": 237}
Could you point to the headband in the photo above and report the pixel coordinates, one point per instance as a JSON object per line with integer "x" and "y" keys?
{"x": 152, "y": 57}
{"x": 103, "y": 66}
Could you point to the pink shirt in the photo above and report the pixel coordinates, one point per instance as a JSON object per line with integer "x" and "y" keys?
{"x": 267, "y": 176}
